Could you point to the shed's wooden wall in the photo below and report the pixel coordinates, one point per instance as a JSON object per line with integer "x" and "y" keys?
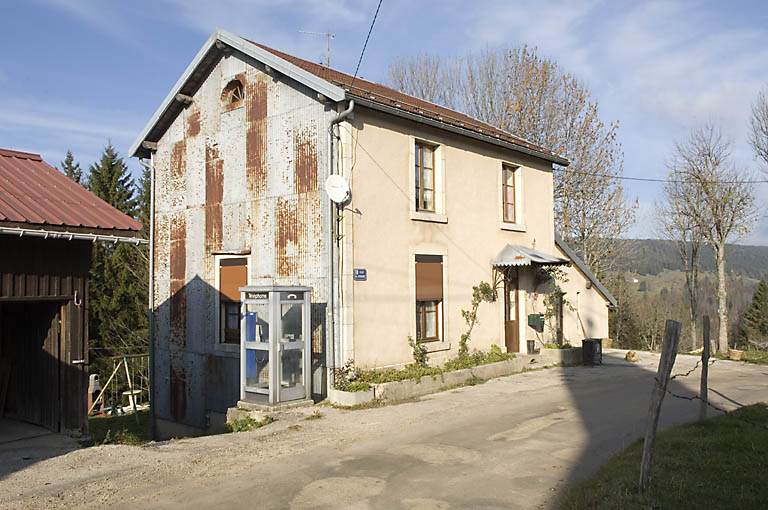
{"x": 39, "y": 280}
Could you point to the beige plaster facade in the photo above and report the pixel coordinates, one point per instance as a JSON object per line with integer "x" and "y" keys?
{"x": 382, "y": 233}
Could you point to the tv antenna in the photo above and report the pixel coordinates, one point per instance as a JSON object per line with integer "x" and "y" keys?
{"x": 328, "y": 37}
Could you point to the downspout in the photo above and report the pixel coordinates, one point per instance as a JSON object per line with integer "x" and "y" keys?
{"x": 151, "y": 168}
{"x": 333, "y": 278}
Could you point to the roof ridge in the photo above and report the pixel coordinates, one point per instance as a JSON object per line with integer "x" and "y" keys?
{"x": 20, "y": 155}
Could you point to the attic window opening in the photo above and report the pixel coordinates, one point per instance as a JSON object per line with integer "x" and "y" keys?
{"x": 233, "y": 93}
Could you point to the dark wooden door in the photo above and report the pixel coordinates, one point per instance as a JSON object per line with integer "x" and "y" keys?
{"x": 511, "y": 329}
{"x": 31, "y": 340}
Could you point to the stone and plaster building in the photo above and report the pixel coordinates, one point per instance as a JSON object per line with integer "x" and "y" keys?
{"x": 437, "y": 202}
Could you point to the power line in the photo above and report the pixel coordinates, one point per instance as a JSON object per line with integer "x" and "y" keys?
{"x": 366, "y": 43}
{"x": 648, "y": 179}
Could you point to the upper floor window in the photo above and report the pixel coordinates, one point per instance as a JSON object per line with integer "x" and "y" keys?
{"x": 425, "y": 177}
{"x": 232, "y": 95}
{"x": 508, "y": 175}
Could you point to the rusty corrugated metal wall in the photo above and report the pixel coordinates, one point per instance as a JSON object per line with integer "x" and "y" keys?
{"x": 233, "y": 179}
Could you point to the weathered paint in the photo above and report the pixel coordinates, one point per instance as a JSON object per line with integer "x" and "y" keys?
{"x": 255, "y": 132}
{"x": 214, "y": 194}
{"x": 193, "y": 123}
{"x": 178, "y": 262}
{"x": 305, "y": 160}
{"x": 178, "y": 393}
{"x": 178, "y": 160}
{"x": 247, "y": 182}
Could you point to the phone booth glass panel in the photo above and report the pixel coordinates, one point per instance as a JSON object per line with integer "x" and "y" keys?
{"x": 275, "y": 344}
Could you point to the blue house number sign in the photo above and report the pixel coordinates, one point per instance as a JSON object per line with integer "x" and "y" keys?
{"x": 360, "y": 275}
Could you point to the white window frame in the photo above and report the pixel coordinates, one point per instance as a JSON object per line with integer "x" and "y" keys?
{"x": 440, "y": 215}
{"x": 219, "y": 336}
{"x": 519, "y": 224}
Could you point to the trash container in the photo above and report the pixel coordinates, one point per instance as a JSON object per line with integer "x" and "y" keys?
{"x": 592, "y": 351}
{"x": 531, "y": 344}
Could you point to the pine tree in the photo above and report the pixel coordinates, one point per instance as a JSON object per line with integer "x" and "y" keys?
{"x": 117, "y": 316}
{"x": 72, "y": 169}
{"x": 754, "y": 323}
{"x": 109, "y": 180}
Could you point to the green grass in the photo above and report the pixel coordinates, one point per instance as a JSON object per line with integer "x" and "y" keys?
{"x": 246, "y": 424}
{"x": 755, "y": 357}
{"x": 416, "y": 371}
{"x": 119, "y": 429}
{"x": 720, "y": 463}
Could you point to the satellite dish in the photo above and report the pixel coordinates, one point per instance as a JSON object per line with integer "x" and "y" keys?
{"x": 337, "y": 188}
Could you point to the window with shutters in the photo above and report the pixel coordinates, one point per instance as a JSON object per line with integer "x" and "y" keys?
{"x": 233, "y": 274}
{"x": 429, "y": 297}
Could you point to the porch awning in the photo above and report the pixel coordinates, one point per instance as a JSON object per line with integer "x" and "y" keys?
{"x": 515, "y": 255}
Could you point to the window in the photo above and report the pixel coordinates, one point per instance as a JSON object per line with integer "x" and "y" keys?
{"x": 233, "y": 274}
{"x": 233, "y": 93}
{"x": 508, "y": 193}
{"x": 425, "y": 177}
{"x": 429, "y": 297}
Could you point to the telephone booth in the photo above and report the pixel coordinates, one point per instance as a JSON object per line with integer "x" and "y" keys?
{"x": 275, "y": 344}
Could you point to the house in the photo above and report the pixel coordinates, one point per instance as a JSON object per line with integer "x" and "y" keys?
{"x": 427, "y": 203}
{"x": 48, "y": 225}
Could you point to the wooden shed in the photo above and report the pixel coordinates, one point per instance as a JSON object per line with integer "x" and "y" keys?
{"x": 48, "y": 225}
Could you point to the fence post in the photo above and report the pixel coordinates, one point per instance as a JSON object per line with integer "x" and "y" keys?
{"x": 703, "y": 391}
{"x": 668, "y": 354}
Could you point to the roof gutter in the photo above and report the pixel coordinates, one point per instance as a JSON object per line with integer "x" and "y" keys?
{"x": 70, "y": 236}
{"x": 151, "y": 301}
{"x": 459, "y": 130}
{"x": 333, "y": 276}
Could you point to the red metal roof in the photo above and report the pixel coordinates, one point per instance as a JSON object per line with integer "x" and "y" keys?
{"x": 391, "y": 97}
{"x": 33, "y": 192}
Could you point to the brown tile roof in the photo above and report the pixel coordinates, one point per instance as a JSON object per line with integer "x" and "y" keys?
{"x": 390, "y": 97}
{"x": 35, "y": 193}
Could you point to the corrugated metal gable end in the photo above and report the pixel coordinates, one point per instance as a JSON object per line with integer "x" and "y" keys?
{"x": 33, "y": 192}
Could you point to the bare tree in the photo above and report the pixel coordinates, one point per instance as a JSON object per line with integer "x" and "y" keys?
{"x": 759, "y": 124}
{"x": 717, "y": 199}
{"x": 428, "y": 77}
{"x": 678, "y": 227}
{"x": 528, "y": 95}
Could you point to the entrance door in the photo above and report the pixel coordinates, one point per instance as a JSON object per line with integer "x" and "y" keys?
{"x": 291, "y": 353}
{"x": 511, "y": 330}
{"x": 30, "y": 342}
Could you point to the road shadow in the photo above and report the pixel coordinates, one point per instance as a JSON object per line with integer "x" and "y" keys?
{"x": 600, "y": 416}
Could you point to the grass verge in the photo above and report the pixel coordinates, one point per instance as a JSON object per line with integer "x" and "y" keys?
{"x": 119, "y": 429}
{"x": 717, "y": 463}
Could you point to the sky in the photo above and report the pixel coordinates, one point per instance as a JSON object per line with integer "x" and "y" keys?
{"x": 77, "y": 73}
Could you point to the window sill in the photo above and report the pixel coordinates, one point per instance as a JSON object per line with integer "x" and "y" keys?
{"x": 428, "y": 216}
{"x": 514, "y": 227}
{"x": 231, "y": 350}
{"x": 436, "y": 346}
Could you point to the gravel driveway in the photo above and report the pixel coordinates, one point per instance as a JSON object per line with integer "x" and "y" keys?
{"x": 512, "y": 442}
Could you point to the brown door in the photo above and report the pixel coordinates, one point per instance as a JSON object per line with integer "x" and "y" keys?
{"x": 511, "y": 336}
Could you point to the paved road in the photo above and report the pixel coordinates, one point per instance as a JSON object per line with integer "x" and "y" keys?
{"x": 512, "y": 443}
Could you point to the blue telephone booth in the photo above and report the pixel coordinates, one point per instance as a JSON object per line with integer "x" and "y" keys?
{"x": 275, "y": 344}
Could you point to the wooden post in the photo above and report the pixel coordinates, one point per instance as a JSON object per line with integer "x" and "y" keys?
{"x": 104, "y": 388}
{"x": 668, "y": 355}
{"x": 703, "y": 391}
{"x": 131, "y": 396}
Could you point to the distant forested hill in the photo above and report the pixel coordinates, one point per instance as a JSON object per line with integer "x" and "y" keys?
{"x": 652, "y": 256}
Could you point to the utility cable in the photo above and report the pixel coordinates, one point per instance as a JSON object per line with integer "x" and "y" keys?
{"x": 648, "y": 179}
{"x": 366, "y": 44}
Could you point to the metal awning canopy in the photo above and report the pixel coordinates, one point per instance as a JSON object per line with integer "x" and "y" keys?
{"x": 515, "y": 255}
